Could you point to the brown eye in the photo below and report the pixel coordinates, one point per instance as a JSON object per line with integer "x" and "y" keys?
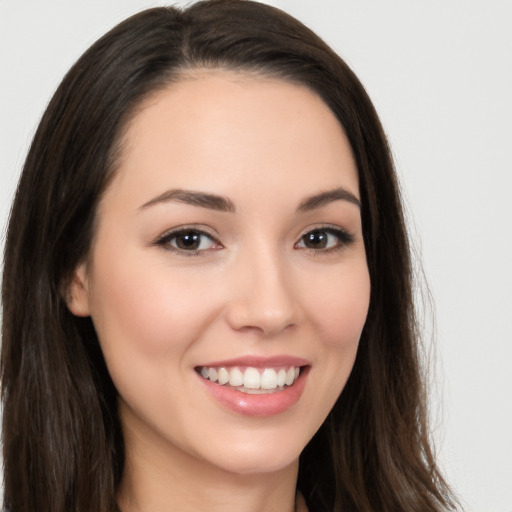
{"x": 189, "y": 241}
{"x": 324, "y": 239}
{"x": 316, "y": 240}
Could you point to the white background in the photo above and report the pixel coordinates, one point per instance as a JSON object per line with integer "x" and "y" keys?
{"x": 440, "y": 75}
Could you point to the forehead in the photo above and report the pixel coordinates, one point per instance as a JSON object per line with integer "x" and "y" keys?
{"x": 219, "y": 129}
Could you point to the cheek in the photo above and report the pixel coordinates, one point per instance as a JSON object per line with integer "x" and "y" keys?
{"x": 340, "y": 306}
{"x": 146, "y": 309}
{"x": 337, "y": 308}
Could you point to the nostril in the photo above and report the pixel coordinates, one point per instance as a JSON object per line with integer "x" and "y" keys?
{"x": 249, "y": 320}
{"x": 262, "y": 298}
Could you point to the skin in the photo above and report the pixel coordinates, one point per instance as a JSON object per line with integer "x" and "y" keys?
{"x": 254, "y": 288}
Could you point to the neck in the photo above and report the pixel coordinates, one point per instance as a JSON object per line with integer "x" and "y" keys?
{"x": 165, "y": 479}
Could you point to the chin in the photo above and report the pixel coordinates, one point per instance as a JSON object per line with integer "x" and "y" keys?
{"x": 258, "y": 465}
{"x": 263, "y": 455}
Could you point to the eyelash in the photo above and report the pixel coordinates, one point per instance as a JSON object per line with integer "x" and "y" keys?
{"x": 165, "y": 241}
{"x": 344, "y": 239}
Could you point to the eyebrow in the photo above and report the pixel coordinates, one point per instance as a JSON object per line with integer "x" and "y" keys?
{"x": 202, "y": 199}
{"x": 223, "y": 204}
{"x": 324, "y": 198}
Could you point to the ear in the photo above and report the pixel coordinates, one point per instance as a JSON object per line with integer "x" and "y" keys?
{"x": 77, "y": 293}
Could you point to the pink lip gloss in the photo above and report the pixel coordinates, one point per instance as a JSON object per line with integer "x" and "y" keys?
{"x": 257, "y": 405}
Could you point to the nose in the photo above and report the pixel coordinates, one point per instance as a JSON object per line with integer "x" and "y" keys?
{"x": 262, "y": 298}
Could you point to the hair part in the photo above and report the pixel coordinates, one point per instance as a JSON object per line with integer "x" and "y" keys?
{"x": 62, "y": 438}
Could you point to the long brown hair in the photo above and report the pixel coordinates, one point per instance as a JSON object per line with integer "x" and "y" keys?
{"x": 62, "y": 440}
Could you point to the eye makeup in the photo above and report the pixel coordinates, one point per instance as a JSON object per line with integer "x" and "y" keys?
{"x": 194, "y": 241}
{"x": 325, "y": 239}
{"x": 188, "y": 241}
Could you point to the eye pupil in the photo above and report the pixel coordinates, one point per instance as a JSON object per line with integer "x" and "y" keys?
{"x": 316, "y": 239}
{"x": 188, "y": 240}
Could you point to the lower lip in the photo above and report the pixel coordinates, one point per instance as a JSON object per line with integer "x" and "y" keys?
{"x": 263, "y": 405}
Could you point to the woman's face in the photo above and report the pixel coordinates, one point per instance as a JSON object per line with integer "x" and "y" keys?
{"x": 228, "y": 258}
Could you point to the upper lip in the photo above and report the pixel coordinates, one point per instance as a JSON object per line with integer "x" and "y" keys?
{"x": 260, "y": 361}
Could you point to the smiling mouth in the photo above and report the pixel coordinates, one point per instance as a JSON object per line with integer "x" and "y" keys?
{"x": 252, "y": 380}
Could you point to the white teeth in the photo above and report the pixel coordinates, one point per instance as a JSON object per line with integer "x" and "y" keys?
{"x": 252, "y": 379}
{"x": 290, "y": 376}
{"x": 212, "y": 374}
{"x": 236, "y": 377}
{"x": 223, "y": 376}
{"x": 281, "y": 377}
{"x": 268, "y": 379}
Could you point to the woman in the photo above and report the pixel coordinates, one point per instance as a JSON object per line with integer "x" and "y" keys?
{"x": 207, "y": 290}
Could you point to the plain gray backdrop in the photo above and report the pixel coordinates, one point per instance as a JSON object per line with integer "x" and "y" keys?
{"x": 440, "y": 75}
